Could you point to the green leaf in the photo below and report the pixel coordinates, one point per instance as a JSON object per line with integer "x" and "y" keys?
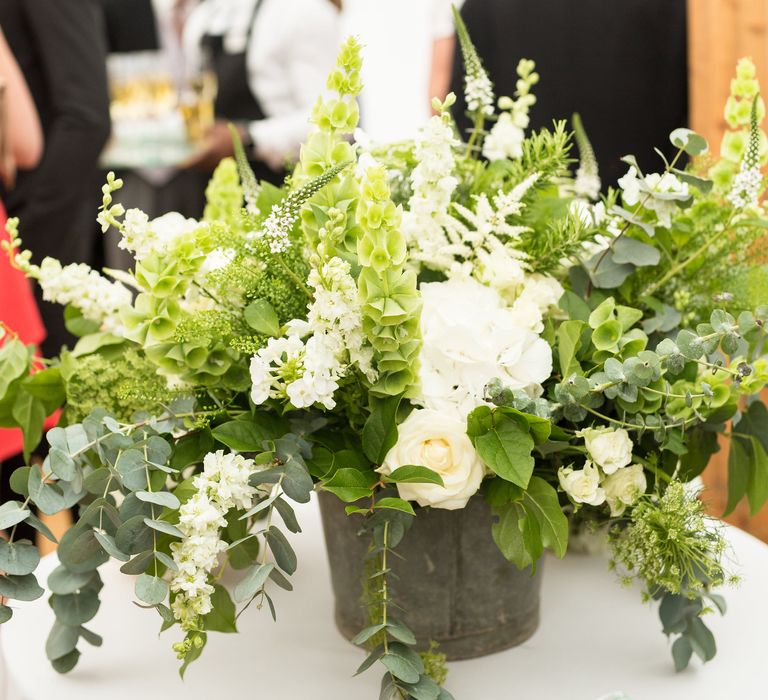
{"x": 165, "y": 560}
{"x": 252, "y": 582}
{"x": 739, "y": 469}
{"x": 757, "y": 484}
{"x": 403, "y": 663}
{"x": 132, "y": 468}
{"x": 508, "y": 536}
{"x": 692, "y": 143}
{"x": 62, "y": 581}
{"x": 151, "y": 589}
{"x": 162, "y": 526}
{"x": 91, "y": 637}
{"x": 297, "y": 484}
{"x": 62, "y": 640}
{"x": 19, "y": 481}
{"x": 506, "y": 450}
{"x": 133, "y": 536}
{"x": 108, "y": 544}
{"x": 630, "y": 250}
{"x": 288, "y": 515}
{"x": 605, "y": 272}
{"x": 541, "y": 500}
{"x": 241, "y": 435}
{"x": 159, "y": 498}
{"x": 20, "y": 587}
{"x": 76, "y": 608}
{"x": 350, "y": 484}
{"x": 30, "y": 414}
{"x": 80, "y": 551}
{"x": 6, "y": 614}
{"x": 66, "y": 663}
{"x": 701, "y": 638}
{"x": 260, "y": 316}
{"x": 222, "y": 617}
{"x": 413, "y": 474}
{"x": 61, "y": 464}
{"x": 380, "y": 430}
{"x": 47, "y": 386}
{"x": 366, "y": 633}
{"x": 371, "y": 659}
{"x": 281, "y": 549}
{"x": 14, "y": 363}
{"x": 400, "y": 632}
{"x": 18, "y": 558}
{"x": 681, "y": 653}
{"x": 395, "y": 504}
{"x": 568, "y": 345}
{"x": 138, "y": 565}
{"x": 700, "y": 183}
{"x": 12, "y": 513}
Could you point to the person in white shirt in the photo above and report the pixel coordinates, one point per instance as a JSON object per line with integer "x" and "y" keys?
{"x": 271, "y": 58}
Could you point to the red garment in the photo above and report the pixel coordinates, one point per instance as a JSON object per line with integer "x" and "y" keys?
{"x": 18, "y": 311}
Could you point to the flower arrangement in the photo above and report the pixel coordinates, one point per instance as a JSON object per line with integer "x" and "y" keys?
{"x": 406, "y": 326}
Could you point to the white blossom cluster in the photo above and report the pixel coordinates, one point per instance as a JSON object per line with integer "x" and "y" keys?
{"x": 478, "y": 90}
{"x": 222, "y": 486}
{"x": 308, "y": 372}
{"x": 277, "y": 227}
{"x": 144, "y": 238}
{"x": 587, "y": 183}
{"x": 659, "y": 193}
{"x": 747, "y": 185}
{"x": 608, "y": 476}
{"x": 433, "y": 182}
{"x": 99, "y": 299}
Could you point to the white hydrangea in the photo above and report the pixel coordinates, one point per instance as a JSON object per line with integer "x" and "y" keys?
{"x": 433, "y": 182}
{"x": 99, "y": 299}
{"x": 658, "y": 192}
{"x": 143, "y": 237}
{"x": 222, "y": 486}
{"x": 469, "y": 337}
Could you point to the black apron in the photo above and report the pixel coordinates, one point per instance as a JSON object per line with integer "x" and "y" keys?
{"x": 234, "y": 99}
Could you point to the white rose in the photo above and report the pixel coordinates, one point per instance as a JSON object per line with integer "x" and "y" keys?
{"x": 439, "y": 442}
{"x": 609, "y": 449}
{"x": 624, "y": 487}
{"x": 582, "y": 485}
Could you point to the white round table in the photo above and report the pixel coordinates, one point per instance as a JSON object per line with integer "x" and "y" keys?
{"x": 595, "y": 638}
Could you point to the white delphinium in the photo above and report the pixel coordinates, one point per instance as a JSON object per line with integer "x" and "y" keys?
{"x": 470, "y": 337}
{"x": 222, "y": 486}
{"x": 748, "y": 182}
{"x": 433, "y": 182}
{"x": 505, "y": 139}
{"x": 658, "y": 192}
{"x": 98, "y": 299}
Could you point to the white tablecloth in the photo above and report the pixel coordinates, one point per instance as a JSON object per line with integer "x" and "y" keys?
{"x": 595, "y": 638}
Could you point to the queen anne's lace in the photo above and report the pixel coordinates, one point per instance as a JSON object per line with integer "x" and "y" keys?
{"x": 222, "y": 486}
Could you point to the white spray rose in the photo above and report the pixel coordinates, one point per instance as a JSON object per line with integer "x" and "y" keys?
{"x": 439, "y": 442}
{"x": 470, "y": 337}
{"x": 609, "y": 449}
{"x": 624, "y": 487}
{"x": 582, "y": 485}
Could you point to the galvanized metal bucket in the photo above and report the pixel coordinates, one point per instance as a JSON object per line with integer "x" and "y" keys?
{"x": 455, "y": 586}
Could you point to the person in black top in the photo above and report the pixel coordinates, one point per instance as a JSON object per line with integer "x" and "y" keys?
{"x": 622, "y": 66}
{"x": 59, "y": 46}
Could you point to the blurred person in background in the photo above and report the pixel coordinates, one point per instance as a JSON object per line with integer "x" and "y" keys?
{"x": 624, "y": 71}
{"x": 21, "y": 146}
{"x": 59, "y": 47}
{"x": 270, "y": 59}
{"x": 400, "y": 79}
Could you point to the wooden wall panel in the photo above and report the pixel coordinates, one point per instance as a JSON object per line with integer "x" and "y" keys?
{"x": 719, "y": 33}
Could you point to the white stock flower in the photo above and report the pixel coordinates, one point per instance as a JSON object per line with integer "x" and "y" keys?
{"x": 439, "y": 442}
{"x": 624, "y": 487}
{"x": 99, "y": 299}
{"x": 222, "y": 485}
{"x": 609, "y": 449}
{"x": 469, "y": 338}
{"x": 582, "y": 485}
{"x": 144, "y": 238}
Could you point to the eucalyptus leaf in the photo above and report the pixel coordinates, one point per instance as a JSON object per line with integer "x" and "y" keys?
{"x": 681, "y": 653}
{"x": 11, "y": 513}
{"x": 159, "y": 498}
{"x": 6, "y": 614}
{"x": 252, "y": 582}
{"x": 162, "y": 526}
{"x": 288, "y": 515}
{"x": 23, "y": 588}
{"x": 151, "y": 589}
{"x": 80, "y": 551}
{"x": 139, "y": 564}
{"x": 76, "y": 608}
{"x": 630, "y": 250}
{"x": 62, "y": 581}
{"x": 108, "y": 543}
{"x": 18, "y": 558}
{"x": 61, "y": 641}
{"x": 281, "y": 549}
